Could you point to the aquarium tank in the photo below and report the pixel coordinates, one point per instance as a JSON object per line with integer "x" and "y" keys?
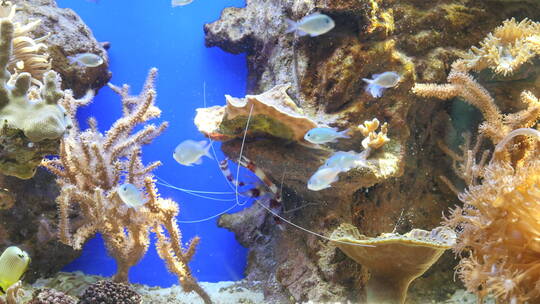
{"x": 265, "y": 151}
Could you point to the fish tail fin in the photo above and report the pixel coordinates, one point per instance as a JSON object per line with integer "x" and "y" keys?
{"x": 345, "y": 133}
{"x": 292, "y": 26}
{"x": 71, "y": 59}
{"x": 375, "y": 90}
{"x": 207, "y": 151}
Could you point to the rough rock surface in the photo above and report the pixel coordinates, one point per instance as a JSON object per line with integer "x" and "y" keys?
{"x": 69, "y": 36}
{"x": 370, "y": 37}
{"x": 31, "y": 223}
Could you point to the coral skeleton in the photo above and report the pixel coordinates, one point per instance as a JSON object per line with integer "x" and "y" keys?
{"x": 90, "y": 168}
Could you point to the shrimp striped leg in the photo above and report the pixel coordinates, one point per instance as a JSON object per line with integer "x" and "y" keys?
{"x": 250, "y": 165}
{"x": 224, "y": 167}
{"x": 274, "y": 202}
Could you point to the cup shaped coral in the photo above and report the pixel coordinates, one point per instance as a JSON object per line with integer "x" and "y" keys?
{"x": 393, "y": 260}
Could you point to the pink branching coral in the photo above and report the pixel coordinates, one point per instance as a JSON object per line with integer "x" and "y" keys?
{"x": 90, "y": 168}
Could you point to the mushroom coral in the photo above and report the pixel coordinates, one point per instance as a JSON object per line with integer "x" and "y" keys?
{"x": 393, "y": 260}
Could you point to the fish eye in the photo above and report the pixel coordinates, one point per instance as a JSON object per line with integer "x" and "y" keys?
{"x": 21, "y": 256}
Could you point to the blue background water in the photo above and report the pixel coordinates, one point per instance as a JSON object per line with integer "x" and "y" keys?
{"x": 145, "y": 34}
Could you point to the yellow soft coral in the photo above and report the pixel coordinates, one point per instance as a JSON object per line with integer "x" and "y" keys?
{"x": 500, "y": 227}
{"x": 506, "y": 49}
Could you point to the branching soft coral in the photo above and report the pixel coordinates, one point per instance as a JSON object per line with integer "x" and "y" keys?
{"x": 499, "y": 222}
{"x": 496, "y": 125}
{"x": 500, "y": 228}
{"x": 90, "y": 168}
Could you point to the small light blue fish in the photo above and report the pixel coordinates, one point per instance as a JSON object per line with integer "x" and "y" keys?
{"x": 86, "y": 59}
{"x": 380, "y": 82}
{"x": 130, "y": 195}
{"x": 325, "y": 135}
{"x": 314, "y": 25}
{"x": 175, "y": 3}
{"x": 344, "y": 161}
{"x": 323, "y": 178}
{"x": 190, "y": 152}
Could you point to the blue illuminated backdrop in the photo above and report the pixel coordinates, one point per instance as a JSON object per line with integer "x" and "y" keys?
{"x": 145, "y": 34}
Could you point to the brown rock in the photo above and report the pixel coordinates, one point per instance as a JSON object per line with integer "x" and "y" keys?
{"x": 415, "y": 38}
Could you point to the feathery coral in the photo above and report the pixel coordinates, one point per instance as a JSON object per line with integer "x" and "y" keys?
{"x": 463, "y": 85}
{"x": 500, "y": 228}
{"x": 498, "y": 225}
{"x": 90, "y": 168}
{"x": 506, "y": 49}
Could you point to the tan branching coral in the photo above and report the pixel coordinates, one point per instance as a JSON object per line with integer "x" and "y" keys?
{"x": 496, "y": 125}
{"x": 29, "y": 54}
{"x": 506, "y": 49}
{"x": 273, "y": 113}
{"x": 90, "y": 168}
{"x": 498, "y": 224}
{"x": 394, "y": 260}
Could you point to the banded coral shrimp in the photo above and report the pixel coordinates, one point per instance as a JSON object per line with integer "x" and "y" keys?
{"x": 264, "y": 192}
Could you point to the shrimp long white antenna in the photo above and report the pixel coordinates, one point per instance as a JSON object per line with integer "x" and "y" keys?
{"x": 210, "y": 217}
{"x": 309, "y": 231}
{"x": 169, "y": 185}
{"x": 212, "y": 145}
{"x": 223, "y": 169}
{"x": 241, "y": 153}
{"x": 522, "y": 131}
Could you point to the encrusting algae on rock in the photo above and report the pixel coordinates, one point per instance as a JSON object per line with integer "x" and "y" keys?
{"x": 90, "y": 168}
{"x": 273, "y": 113}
